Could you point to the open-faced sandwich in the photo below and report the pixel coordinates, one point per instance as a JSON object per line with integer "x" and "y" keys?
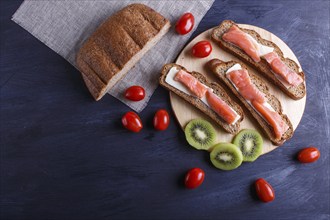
{"x": 254, "y": 95}
{"x": 210, "y": 98}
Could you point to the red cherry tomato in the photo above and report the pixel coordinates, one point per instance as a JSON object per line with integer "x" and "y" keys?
{"x": 185, "y": 24}
{"x": 264, "y": 190}
{"x": 161, "y": 120}
{"x": 132, "y": 122}
{"x": 194, "y": 178}
{"x": 135, "y": 93}
{"x": 202, "y": 49}
{"x": 309, "y": 155}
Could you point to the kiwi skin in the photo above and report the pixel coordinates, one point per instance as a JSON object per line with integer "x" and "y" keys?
{"x": 200, "y": 134}
{"x": 223, "y": 151}
{"x": 250, "y": 143}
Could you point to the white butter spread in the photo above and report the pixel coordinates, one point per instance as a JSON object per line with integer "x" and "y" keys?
{"x": 262, "y": 49}
{"x": 170, "y": 80}
{"x": 267, "y": 105}
{"x": 237, "y": 66}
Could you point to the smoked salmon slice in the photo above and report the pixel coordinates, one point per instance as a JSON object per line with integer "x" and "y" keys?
{"x": 273, "y": 118}
{"x": 280, "y": 68}
{"x": 195, "y": 87}
{"x": 220, "y": 107}
{"x": 239, "y": 38}
{"x": 241, "y": 80}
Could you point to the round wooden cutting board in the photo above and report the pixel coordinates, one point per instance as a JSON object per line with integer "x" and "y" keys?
{"x": 185, "y": 112}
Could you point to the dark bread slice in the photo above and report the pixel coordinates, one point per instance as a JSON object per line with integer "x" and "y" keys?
{"x": 262, "y": 66}
{"x": 218, "y": 90}
{"x": 219, "y": 68}
{"x": 117, "y": 45}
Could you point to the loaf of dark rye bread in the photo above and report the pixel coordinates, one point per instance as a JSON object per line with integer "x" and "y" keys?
{"x": 263, "y": 67}
{"x": 219, "y": 68}
{"x": 117, "y": 44}
{"x": 217, "y": 89}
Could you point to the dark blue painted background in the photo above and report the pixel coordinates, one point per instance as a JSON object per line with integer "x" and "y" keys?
{"x": 64, "y": 156}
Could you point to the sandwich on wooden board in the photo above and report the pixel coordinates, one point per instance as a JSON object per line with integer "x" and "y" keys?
{"x": 210, "y": 98}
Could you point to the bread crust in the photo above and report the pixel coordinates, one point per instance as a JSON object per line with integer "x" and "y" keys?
{"x": 115, "y": 42}
{"x": 219, "y": 68}
{"x": 262, "y": 66}
{"x": 217, "y": 89}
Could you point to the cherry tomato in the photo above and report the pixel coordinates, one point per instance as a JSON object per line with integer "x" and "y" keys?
{"x": 132, "y": 122}
{"x": 185, "y": 24}
{"x": 264, "y": 190}
{"x": 161, "y": 120}
{"x": 135, "y": 93}
{"x": 309, "y": 155}
{"x": 194, "y": 178}
{"x": 202, "y": 49}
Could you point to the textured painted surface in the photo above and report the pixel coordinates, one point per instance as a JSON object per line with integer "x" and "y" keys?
{"x": 64, "y": 156}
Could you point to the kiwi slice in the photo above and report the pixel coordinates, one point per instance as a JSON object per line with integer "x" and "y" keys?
{"x": 226, "y": 156}
{"x": 250, "y": 142}
{"x": 200, "y": 134}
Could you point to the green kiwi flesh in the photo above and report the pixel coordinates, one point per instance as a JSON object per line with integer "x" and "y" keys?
{"x": 226, "y": 156}
{"x": 200, "y": 134}
{"x": 250, "y": 143}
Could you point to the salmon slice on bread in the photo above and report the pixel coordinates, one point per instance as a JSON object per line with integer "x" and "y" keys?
{"x": 220, "y": 68}
{"x": 198, "y": 103}
{"x": 293, "y": 91}
{"x": 117, "y": 45}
